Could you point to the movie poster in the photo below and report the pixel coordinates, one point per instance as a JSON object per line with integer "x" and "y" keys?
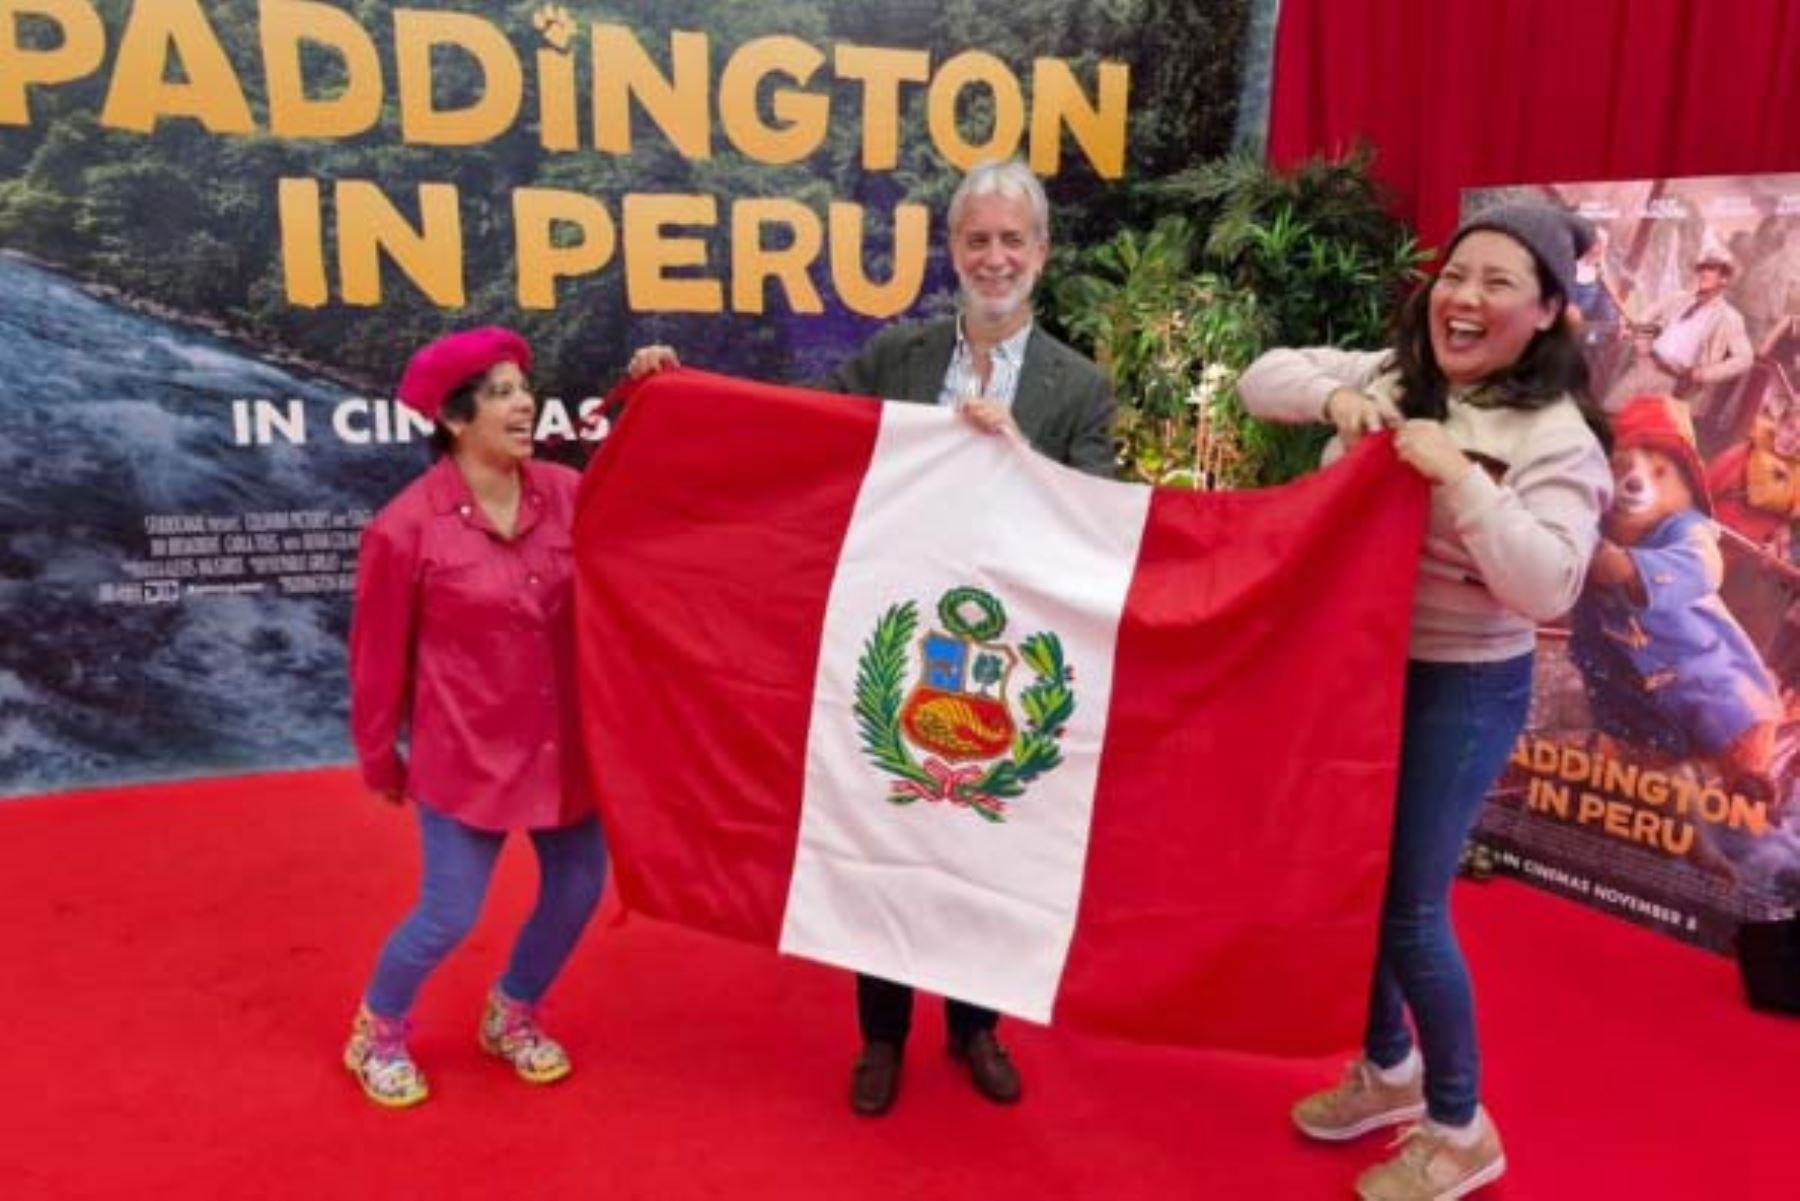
{"x": 224, "y": 225}
{"x": 1656, "y": 777}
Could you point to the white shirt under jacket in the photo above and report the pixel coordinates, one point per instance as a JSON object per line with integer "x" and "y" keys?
{"x": 1508, "y": 546}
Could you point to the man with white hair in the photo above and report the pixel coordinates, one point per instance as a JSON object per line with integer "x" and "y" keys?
{"x": 991, "y": 358}
{"x": 1004, "y": 374}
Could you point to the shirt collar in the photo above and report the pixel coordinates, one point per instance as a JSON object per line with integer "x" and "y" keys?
{"x": 1012, "y": 350}
{"x": 449, "y": 493}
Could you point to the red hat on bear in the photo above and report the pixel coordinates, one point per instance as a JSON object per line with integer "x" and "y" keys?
{"x": 1661, "y": 423}
{"x": 443, "y": 366}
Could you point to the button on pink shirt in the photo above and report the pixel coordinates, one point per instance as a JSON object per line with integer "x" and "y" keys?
{"x": 464, "y": 641}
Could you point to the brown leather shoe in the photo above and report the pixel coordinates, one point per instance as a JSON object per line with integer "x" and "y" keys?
{"x": 875, "y": 1081}
{"x": 993, "y": 1074}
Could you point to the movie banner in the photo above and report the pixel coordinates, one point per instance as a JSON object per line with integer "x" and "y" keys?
{"x": 225, "y": 224}
{"x": 1656, "y": 777}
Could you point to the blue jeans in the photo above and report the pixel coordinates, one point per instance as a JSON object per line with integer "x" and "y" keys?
{"x": 1461, "y": 722}
{"x": 459, "y": 862}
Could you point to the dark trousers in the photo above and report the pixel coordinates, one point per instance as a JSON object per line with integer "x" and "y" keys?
{"x": 884, "y": 1011}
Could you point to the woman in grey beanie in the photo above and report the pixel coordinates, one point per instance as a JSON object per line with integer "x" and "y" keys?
{"x": 1486, "y": 388}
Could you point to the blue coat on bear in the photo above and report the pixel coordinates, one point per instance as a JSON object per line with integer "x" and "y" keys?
{"x": 1677, "y": 674}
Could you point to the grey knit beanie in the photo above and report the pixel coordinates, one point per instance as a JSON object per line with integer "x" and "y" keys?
{"x": 1555, "y": 237}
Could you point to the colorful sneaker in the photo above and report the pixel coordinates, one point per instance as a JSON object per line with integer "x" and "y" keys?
{"x": 1432, "y": 1168}
{"x": 1360, "y": 1103}
{"x": 376, "y": 1055}
{"x": 510, "y": 1031}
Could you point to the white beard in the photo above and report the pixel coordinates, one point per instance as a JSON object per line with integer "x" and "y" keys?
{"x": 998, "y": 308}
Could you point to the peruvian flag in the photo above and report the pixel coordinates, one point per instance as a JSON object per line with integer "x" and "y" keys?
{"x": 868, "y": 686}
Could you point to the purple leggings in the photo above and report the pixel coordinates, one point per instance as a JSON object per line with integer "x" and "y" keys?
{"x": 459, "y": 861}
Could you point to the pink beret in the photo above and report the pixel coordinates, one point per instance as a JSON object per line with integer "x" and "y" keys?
{"x": 445, "y": 365}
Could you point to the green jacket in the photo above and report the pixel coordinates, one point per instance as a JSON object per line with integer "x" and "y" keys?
{"x": 1064, "y": 405}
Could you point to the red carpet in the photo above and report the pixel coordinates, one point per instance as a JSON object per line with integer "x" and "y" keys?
{"x": 178, "y": 964}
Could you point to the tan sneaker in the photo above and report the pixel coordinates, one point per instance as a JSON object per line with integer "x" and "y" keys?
{"x": 510, "y": 1031}
{"x": 1432, "y": 1168}
{"x": 1359, "y": 1103}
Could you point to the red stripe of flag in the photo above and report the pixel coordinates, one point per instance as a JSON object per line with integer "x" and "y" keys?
{"x": 1245, "y": 799}
{"x": 707, "y": 535}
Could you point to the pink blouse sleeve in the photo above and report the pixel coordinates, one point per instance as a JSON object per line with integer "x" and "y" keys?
{"x": 381, "y": 654}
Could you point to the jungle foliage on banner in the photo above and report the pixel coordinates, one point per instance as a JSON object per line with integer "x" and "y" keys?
{"x": 291, "y": 168}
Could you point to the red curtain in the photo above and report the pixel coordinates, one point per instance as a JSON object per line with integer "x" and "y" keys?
{"x": 1454, "y": 95}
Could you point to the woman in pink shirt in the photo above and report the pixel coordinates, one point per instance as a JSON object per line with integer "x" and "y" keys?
{"x": 461, "y": 647}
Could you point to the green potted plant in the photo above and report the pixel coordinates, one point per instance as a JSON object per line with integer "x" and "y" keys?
{"x": 1243, "y": 257}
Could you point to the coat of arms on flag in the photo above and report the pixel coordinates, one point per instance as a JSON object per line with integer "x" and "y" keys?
{"x": 957, "y": 713}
